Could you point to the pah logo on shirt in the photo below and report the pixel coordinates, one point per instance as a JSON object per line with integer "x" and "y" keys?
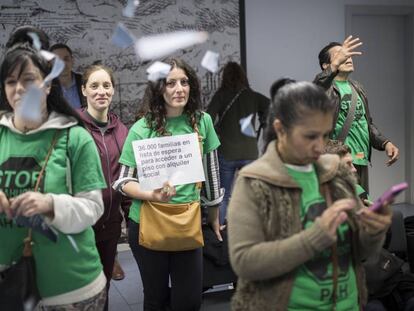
{"x": 18, "y": 175}
{"x": 318, "y": 265}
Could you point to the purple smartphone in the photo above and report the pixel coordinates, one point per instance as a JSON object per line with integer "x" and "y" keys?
{"x": 388, "y": 195}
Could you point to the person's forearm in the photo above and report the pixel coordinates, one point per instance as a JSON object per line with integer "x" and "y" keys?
{"x": 133, "y": 190}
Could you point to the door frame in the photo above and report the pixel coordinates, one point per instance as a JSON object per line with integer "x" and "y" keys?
{"x": 408, "y": 13}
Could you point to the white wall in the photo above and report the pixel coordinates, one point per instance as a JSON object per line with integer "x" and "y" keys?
{"x": 284, "y": 37}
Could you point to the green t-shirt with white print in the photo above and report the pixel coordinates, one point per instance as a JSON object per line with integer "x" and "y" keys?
{"x": 358, "y": 135}
{"x": 176, "y": 126}
{"x": 59, "y": 267}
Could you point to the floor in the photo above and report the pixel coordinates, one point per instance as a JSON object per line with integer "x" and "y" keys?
{"x": 127, "y": 295}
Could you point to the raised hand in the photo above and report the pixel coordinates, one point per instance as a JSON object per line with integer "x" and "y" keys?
{"x": 343, "y": 53}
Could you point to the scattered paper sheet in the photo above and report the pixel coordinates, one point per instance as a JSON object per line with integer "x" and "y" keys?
{"x": 161, "y": 45}
{"x": 158, "y": 70}
{"x": 129, "y": 10}
{"x": 246, "y": 126}
{"x": 122, "y": 37}
{"x": 210, "y": 61}
{"x": 47, "y": 55}
{"x": 57, "y": 69}
{"x": 30, "y": 106}
{"x": 36, "y": 41}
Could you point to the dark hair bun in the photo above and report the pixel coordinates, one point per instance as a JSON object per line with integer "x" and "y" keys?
{"x": 21, "y": 35}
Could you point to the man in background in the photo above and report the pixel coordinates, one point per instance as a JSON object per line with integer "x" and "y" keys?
{"x": 70, "y": 82}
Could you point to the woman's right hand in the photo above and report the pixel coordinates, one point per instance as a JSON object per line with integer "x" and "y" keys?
{"x": 335, "y": 215}
{"x": 5, "y": 205}
{"x": 165, "y": 193}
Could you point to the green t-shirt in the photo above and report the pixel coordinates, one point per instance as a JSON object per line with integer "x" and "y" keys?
{"x": 176, "y": 126}
{"x": 358, "y": 135}
{"x": 312, "y": 288}
{"x": 60, "y": 269}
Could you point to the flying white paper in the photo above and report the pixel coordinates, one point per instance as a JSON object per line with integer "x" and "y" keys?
{"x": 246, "y": 126}
{"x": 210, "y": 61}
{"x": 129, "y": 10}
{"x": 47, "y": 55}
{"x": 30, "y": 105}
{"x": 57, "y": 69}
{"x": 36, "y": 41}
{"x": 161, "y": 45}
{"x": 122, "y": 37}
{"x": 158, "y": 70}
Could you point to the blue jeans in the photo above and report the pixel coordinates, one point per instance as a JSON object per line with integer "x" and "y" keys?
{"x": 227, "y": 171}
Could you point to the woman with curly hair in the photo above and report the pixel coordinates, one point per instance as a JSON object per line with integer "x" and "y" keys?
{"x": 171, "y": 106}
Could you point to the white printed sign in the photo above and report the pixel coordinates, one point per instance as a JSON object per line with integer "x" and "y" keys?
{"x": 176, "y": 159}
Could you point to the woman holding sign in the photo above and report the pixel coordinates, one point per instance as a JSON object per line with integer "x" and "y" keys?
{"x": 295, "y": 239}
{"x": 54, "y": 176}
{"x": 171, "y": 107}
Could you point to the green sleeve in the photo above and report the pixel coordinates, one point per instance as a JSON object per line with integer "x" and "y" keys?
{"x": 85, "y": 163}
{"x": 211, "y": 141}
{"x": 138, "y": 131}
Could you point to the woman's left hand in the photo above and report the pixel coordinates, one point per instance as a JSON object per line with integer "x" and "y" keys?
{"x": 376, "y": 222}
{"x": 31, "y": 203}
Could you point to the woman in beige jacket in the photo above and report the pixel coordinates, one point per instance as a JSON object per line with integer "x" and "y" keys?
{"x": 295, "y": 239}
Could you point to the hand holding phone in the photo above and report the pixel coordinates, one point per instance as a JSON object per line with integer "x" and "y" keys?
{"x": 388, "y": 196}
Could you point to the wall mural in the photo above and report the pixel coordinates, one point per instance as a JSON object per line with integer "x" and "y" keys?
{"x": 87, "y": 26}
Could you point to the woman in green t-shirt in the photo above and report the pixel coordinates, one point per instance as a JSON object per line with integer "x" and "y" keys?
{"x": 37, "y": 133}
{"x": 295, "y": 240}
{"x": 171, "y": 106}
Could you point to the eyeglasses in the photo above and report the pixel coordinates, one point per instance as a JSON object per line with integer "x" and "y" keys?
{"x": 173, "y": 83}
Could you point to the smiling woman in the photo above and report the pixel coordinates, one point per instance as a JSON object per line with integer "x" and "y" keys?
{"x": 109, "y": 134}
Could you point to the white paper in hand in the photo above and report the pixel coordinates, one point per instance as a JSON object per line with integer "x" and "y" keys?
{"x": 30, "y": 106}
{"x": 161, "y": 45}
{"x": 210, "y": 61}
{"x": 122, "y": 37}
{"x": 129, "y": 10}
{"x": 158, "y": 70}
{"x": 246, "y": 126}
{"x": 36, "y": 41}
{"x": 58, "y": 66}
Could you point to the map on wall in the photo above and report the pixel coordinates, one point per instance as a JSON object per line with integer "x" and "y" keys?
{"x": 87, "y": 27}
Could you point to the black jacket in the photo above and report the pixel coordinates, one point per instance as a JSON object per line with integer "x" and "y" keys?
{"x": 325, "y": 80}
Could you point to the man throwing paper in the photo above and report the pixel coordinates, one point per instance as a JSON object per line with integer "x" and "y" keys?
{"x": 353, "y": 124}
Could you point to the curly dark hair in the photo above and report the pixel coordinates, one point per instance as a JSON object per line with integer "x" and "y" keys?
{"x": 152, "y": 106}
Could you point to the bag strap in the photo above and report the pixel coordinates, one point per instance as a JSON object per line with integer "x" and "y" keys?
{"x": 350, "y": 116}
{"x": 220, "y": 119}
{"x": 27, "y": 250}
{"x": 334, "y": 253}
{"x": 200, "y": 140}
